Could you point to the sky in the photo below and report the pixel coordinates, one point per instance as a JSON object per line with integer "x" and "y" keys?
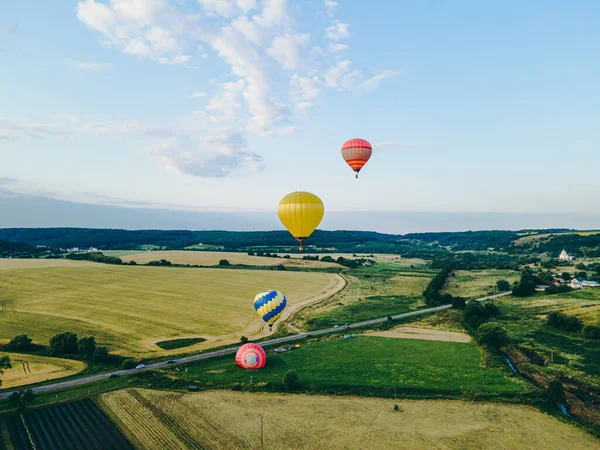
{"x": 228, "y": 105}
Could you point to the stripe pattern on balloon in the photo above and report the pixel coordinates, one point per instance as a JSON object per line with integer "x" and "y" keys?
{"x": 269, "y": 305}
{"x": 356, "y": 152}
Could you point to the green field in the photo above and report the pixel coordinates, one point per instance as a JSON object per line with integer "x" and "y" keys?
{"x": 478, "y": 283}
{"x": 410, "y": 365}
{"x": 130, "y": 308}
{"x": 226, "y": 420}
{"x": 387, "y": 288}
{"x": 546, "y": 353}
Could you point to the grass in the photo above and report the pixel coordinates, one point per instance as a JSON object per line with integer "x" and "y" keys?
{"x": 477, "y": 283}
{"x": 386, "y": 288}
{"x": 30, "y": 369}
{"x": 410, "y": 365}
{"x": 224, "y": 420}
{"x": 179, "y": 343}
{"x": 130, "y": 308}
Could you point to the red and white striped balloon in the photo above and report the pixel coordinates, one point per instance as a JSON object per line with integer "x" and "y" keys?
{"x": 356, "y": 152}
{"x": 251, "y": 356}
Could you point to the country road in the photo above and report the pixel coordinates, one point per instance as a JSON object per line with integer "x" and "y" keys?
{"x": 227, "y": 351}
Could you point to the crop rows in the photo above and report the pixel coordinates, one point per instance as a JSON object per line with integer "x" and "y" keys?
{"x": 74, "y": 425}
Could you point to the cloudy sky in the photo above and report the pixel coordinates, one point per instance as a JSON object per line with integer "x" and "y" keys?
{"x": 228, "y": 105}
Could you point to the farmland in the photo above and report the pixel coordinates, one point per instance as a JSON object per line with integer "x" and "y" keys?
{"x": 410, "y": 365}
{"x": 387, "y": 288}
{"x": 75, "y": 425}
{"x": 224, "y": 420}
{"x": 29, "y": 369}
{"x": 130, "y": 308}
{"x": 477, "y": 283}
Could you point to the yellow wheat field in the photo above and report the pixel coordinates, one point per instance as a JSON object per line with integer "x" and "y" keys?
{"x": 130, "y": 308}
{"x": 228, "y": 420}
{"x": 29, "y": 369}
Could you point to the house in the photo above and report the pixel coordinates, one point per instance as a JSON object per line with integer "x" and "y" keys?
{"x": 576, "y": 283}
{"x": 541, "y": 287}
{"x": 587, "y": 283}
{"x": 564, "y": 256}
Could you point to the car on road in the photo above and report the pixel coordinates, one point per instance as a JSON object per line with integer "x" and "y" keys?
{"x": 141, "y": 366}
{"x": 170, "y": 361}
{"x": 347, "y": 325}
{"x": 335, "y": 326}
{"x": 114, "y": 375}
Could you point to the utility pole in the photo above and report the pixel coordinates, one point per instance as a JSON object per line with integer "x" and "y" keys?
{"x": 262, "y": 444}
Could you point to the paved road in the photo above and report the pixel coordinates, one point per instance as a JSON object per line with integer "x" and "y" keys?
{"x": 228, "y": 351}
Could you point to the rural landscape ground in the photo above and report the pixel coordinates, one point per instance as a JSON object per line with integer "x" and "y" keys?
{"x": 425, "y": 381}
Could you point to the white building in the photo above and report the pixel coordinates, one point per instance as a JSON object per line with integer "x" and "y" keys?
{"x": 579, "y": 283}
{"x": 564, "y": 256}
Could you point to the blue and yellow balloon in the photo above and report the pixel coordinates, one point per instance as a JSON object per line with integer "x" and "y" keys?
{"x": 269, "y": 305}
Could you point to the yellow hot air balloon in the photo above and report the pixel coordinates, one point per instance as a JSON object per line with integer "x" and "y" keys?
{"x": 301, "y": 213}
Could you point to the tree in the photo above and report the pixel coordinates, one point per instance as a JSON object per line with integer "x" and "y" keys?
{"x": 566, "y": 276}
{"x": 19, "y": 343}
{"x": 224, "y": 262}
{"x": 132, "y": 263}
{"x": 4, "y": 364}
{"x": 290, "y": 380}
{"x": 327, "y": 258}
{"x": 555, "y": 318}
{"x": 503, "y": 285}
{"x": 591, "y": 331}
{"x": 555, "y": 393}
{"x": 20, "y": 398}
{"x": 492, "y": 335}
{"x": 447, "y": 299}
{"x": 581, "y": 275}
{"x": 572, "y": 323}
{"x": 100, "y": 354}
{"x": 459, "y": 302}
{"x": 62, "y": 343}
{"x": 244, "y": 340}
{"x": 86, "y": 346}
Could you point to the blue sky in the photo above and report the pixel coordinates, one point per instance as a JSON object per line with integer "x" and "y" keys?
{"x": 231, "y": 104}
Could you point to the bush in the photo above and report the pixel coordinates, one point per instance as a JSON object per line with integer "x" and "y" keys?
{"x": 19, "y": 343}
{"x": 591, "y": 331}
{"x": 129, "y": 363}
{"x": 503, "y": 285}
{"x": 327, "y": 258}
{"x": 290, "y": 380}
{"x": 475, "y": 313}
{"x": 132, "y": 263}
{"x": 492, "y": 335}
{"x": 244, "y": 340}
{"x": 568, "y": 323}
{"x": 224, "y": 262}
{"x": 64, "y": 343}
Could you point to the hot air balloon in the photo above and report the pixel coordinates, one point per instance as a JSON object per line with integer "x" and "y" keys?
{"x": 301, "y": 213}
{"x": 251, "y": 356}
{"x": 356, "y": 152}
{"x": 269, "y": 305}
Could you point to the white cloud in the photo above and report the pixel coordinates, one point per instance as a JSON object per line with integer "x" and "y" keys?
{"x": 286, "y": 50}
{"x": 198, "y": 94}
{"x": 227, "y": 8}
{"x": 330, "y": 5}
{"x": 225, "y": 103}
{"x": 336, "y": 48}
{"x": 214, "y": 156}
{"x": 91, "y": 66}
{"x": 341, "y": 76}
{"x": 306, "y": 88}
{"x": 337, "y": 31}
{"x": 15, "y": 129}
{"x": 303, "y": 107}
{"x": 374, "y": 81}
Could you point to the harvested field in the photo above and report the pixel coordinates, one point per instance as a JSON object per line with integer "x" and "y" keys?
{"x": 225, "y": 420}
{"x": 422, "y": 333}
{"x": 29, "y": 369}
{"x": 130, "y": 308}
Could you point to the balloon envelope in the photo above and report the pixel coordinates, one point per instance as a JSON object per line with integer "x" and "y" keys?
{"x": 269, "y": 305}
{"x": 251, "y": 356}
{"x": 301, "y": 213}
{"x": 356, "y": 152}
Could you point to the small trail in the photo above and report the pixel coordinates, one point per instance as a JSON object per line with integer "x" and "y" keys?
{"x": 374, "y": 418}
